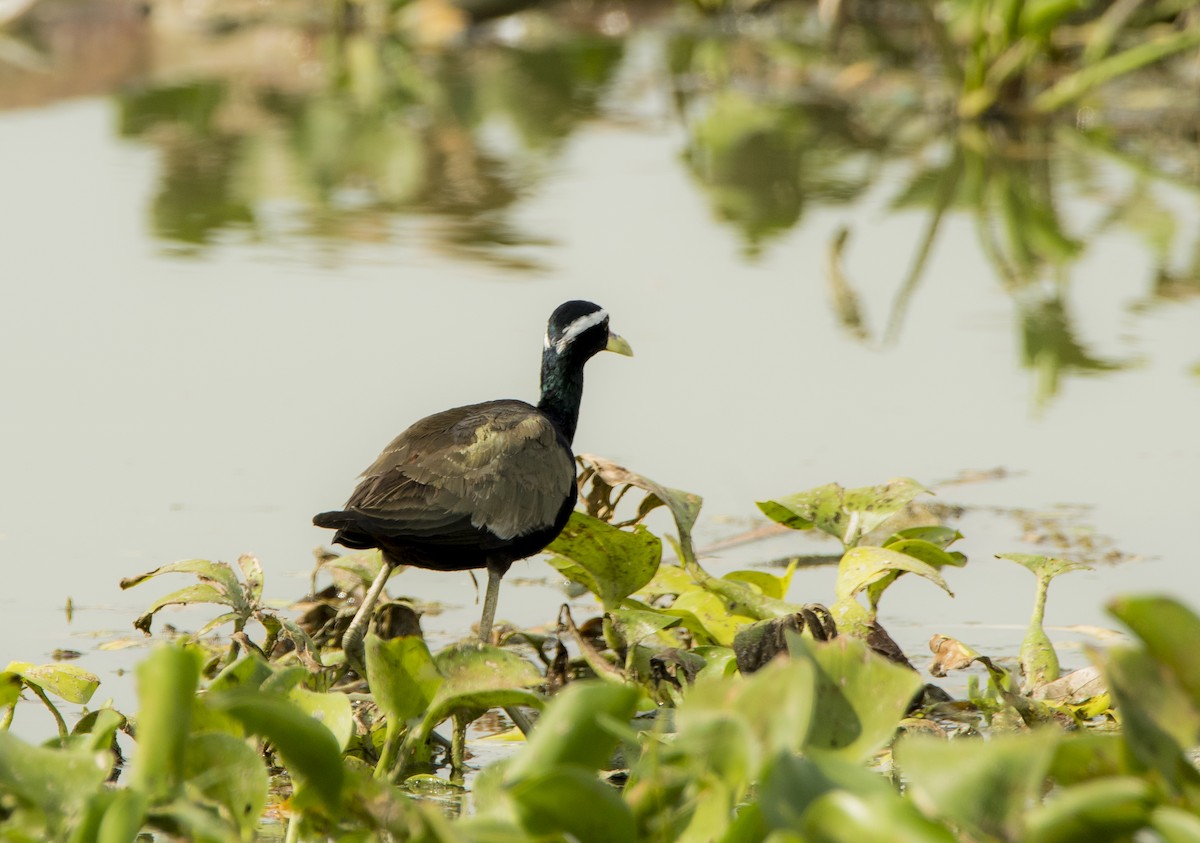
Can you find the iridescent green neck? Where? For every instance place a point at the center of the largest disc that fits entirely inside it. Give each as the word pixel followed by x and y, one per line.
pixel 562 390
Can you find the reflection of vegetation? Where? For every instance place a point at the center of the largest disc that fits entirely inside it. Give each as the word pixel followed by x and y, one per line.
pixel 386 132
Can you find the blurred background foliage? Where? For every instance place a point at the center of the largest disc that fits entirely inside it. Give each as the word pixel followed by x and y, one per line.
pixel 351 122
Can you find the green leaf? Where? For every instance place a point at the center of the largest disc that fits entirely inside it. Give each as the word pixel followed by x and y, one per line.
pixel 1101 811
pixel 332 709
pixel 711 613
pixel 231 773
pixel 571 801
pixel 480 676
pixel 198 593
pixel 790 783
pixel 123 817
pixel 308 747
pixel 634 625
pixel 219 574
pixel 860 696
pixel 863 567
pixel 1170 632
pixel 1044 566
pixel 609 562
pixel 1158 717
pixel 845 514
pixel 1175 825
pixel 935 534
pixel 48 786
pixel 684 506
pixel 166 682
pixel 840 816
pixel 403 676
pixel 67 681
pixel 252 572
pixel 984 788
pixel 767 584
pixel 572 730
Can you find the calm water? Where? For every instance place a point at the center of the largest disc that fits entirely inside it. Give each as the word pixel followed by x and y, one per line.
pixel 234 274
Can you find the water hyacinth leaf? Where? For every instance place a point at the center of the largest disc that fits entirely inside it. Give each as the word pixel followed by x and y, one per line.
pixel 634 625
pixel 928 552
pixel 123 816
pixel 711 613
pixel 331 709
pixel 1084 756
pixel 403 676
pixel 840 816
pixel 198 593
pixel 668 579
pixel 845 514
pixel 217 572
pixel 1100 811
pixel 791 782
pixel 1044 566
pixel 231 773
pixel 252 573
pixel 219 621
pixel 983 787
pixel 935 534
pixel 98 728
pixel 478 677
pixel 249 671
pixel 1175 825
pixel 780 703
pixel 761 581
pixel 50 786
pixel 860 696
pixel 572 801
pixel 864 567
pixel 308 747
pixel 609 562
pixel 684 506
pixel 67 681
pixel 10 688
pixel 1170 632
pixel 1158 717
pixel 572 731
pixel 166 683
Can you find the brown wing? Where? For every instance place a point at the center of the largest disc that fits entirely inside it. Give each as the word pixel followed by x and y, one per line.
pixel 499 466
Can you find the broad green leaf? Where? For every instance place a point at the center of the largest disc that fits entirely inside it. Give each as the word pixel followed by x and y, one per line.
pixel 166 683
pixel 96 729
pixel 668 579
pixel 308 747
pixel 609 562
pixel 1175 825
pixel 1048 566
pixel 123 817
pixel 983 787
pixel 840 816
pixel 1158 719
pixel 935 534
pixel 1084 755
pixel 67 681
pixel 860 696
pixel 572 730
pixel 791 782
pixel 352 571
pixel 10 688
pixel 331 709
pixel 845 514
pixel 220 574
pixel 249 671
pixel 572 802
pixel 928 552
pixel 51 786
pixel 1170 632
pixel 403 676
pixel 712 614
pixel 768 584
pixel 231 773
pixel 1100 811
pixel 780 704
pixel 634 625
pixel 862 567
pixel 480 676
pixel 198 593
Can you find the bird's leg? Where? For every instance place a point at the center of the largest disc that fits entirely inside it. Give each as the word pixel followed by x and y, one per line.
pixel 352 640
pixel 489 606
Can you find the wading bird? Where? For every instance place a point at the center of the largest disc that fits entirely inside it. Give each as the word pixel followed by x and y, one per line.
pixel 479 486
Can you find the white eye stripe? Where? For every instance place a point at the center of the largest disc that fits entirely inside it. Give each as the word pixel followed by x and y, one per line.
pixel 576 328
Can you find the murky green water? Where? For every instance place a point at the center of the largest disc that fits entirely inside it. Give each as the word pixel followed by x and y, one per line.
pixel 242 260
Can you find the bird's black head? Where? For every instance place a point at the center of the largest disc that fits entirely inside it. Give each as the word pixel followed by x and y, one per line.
pixel 579 329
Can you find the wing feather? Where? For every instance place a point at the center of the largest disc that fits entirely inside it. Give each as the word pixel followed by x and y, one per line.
pixel 499 467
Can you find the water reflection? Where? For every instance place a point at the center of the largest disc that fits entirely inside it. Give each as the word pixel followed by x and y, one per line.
pixel 338 137
pixel 458 137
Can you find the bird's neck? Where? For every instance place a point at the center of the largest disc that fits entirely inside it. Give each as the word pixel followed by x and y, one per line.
pixel 562 391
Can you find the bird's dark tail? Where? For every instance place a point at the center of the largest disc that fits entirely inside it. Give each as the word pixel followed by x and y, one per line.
pixel 348 535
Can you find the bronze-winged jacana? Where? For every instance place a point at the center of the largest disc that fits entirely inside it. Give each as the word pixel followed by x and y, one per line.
pixel 479 486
